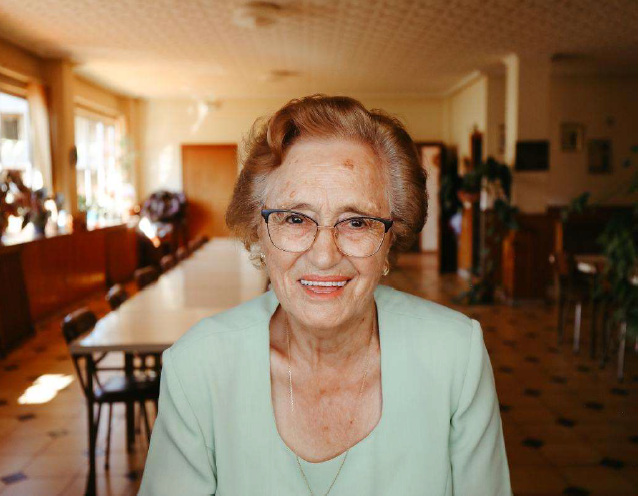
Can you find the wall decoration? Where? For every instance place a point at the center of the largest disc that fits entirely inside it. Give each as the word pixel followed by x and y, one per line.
pixel 531 156
pixel 599 156
pixel 572 137
pixel 501 146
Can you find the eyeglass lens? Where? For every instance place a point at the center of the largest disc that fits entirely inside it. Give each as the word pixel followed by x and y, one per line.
pixel 357 237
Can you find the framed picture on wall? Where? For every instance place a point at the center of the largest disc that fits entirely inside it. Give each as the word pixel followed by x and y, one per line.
pixel 572 136
pixel 599 156
pixel 531 155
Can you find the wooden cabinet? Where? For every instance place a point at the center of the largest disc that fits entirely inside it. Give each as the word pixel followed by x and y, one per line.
pixel 46 274
pixel 15 318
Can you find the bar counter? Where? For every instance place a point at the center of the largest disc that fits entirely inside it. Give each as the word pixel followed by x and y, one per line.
pixel 42 274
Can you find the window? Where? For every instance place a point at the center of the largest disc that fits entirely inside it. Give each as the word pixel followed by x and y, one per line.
pixel 103 178
pixel 15 148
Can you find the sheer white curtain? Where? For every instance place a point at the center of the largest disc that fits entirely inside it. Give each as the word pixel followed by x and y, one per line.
pixel 40 133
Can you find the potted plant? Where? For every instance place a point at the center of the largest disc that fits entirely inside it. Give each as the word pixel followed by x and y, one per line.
pixel 15 198
pixel 493 181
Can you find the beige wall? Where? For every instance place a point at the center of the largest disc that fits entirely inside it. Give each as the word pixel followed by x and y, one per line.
pixel 495 116
pixel 607 106
pixel 465 111
pixel 169 124
pixel 19 63
pixel 94 97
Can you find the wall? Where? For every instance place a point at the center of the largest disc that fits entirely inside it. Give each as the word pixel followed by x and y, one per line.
pixel 607 106
pixel 94 97
pixel 18 63
pixel 171 123
pixel 495 116
pixel 465 111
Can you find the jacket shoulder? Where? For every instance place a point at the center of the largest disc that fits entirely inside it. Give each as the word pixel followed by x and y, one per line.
pixel 415 308
pixel 228 323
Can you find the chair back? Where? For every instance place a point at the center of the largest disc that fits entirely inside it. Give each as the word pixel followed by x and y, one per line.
pixel 116 296
pixel 181 253
pixel 145 276
pixel 77 323
pixel 198 242
pixel 74 325
pixel 167 262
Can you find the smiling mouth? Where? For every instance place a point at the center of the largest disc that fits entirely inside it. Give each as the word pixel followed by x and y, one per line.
pixel 324 287
pixel 323 283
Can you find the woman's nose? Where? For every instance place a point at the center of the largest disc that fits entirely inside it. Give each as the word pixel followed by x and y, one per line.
pixel 324 252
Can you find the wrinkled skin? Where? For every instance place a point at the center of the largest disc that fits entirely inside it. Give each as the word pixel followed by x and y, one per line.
pixel 334 179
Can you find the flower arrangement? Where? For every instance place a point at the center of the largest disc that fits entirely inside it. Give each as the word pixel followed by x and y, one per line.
pixel 15 198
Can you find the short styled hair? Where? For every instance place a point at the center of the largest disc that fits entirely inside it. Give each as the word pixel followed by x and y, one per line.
pixel 326 117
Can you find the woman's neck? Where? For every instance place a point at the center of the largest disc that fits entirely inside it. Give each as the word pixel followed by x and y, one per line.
pixel 329 350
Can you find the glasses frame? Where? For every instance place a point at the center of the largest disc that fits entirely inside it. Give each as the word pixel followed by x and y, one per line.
pixel 266 213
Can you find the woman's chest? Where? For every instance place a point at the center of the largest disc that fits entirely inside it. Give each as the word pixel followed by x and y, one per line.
pixel 321 419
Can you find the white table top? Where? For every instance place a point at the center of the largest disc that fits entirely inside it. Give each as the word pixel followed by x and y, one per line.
pixel 216 277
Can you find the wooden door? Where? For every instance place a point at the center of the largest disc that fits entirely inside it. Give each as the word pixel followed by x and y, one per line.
pixel 208 176
pixel 431 161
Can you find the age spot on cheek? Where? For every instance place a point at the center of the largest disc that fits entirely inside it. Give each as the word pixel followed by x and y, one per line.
pixel 348 163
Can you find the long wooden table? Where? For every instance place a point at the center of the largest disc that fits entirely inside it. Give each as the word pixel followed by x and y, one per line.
pixel 216 277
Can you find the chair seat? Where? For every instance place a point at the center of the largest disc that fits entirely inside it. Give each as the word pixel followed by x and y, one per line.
pixel 121 388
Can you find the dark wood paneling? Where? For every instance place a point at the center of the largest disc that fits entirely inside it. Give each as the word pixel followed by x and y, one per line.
pixel 59 270
pixel 121 255
pixel 15 319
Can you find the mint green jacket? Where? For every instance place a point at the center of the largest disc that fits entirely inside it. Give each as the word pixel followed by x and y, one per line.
pixel 439 434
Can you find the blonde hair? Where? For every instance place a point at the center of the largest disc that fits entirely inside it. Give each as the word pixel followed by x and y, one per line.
pixel 321 116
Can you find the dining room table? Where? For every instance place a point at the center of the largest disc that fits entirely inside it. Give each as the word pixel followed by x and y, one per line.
pixel 214 278
pixel 593 265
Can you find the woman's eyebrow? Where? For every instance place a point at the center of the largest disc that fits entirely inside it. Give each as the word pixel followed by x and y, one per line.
pixel 346 208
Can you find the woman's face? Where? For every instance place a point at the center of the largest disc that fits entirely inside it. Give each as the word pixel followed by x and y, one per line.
pixel 329 181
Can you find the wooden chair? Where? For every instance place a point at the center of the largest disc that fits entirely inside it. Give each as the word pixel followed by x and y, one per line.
pixel 572 290
pixel 167 262
pixel 145 276
pixel 117 389
pixel 181 253
pixel 116 296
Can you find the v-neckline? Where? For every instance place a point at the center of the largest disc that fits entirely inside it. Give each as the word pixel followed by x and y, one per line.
pixel 383 347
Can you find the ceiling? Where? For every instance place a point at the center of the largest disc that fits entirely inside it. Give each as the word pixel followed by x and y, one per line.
pixel 192 48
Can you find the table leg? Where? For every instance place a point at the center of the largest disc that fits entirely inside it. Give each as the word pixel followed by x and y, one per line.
pixel 577 330
pixel 594 305
pixel 130 406
pixel 91 482
pixel 621 352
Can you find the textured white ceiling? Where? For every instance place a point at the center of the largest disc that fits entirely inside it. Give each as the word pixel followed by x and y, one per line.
pixel 181 48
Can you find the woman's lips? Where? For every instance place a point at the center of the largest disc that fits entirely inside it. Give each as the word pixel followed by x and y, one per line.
pixel 324 287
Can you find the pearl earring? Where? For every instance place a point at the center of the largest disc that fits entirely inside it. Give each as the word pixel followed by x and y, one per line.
pixel 386 268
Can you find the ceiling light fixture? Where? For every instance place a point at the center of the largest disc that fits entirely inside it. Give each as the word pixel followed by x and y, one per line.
pixel 253 15
pixel 278 75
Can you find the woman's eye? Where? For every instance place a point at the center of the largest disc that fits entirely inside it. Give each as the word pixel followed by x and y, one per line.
pixel 356 223
pixel 294 219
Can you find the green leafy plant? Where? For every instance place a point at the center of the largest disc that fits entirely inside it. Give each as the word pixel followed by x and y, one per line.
pixel 618 241
pixel 496 179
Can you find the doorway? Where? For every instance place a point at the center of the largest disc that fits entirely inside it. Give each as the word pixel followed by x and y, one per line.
pixel 209 173
pixel 431 156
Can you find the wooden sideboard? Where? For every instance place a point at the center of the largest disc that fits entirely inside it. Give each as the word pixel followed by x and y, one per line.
pixel 45 274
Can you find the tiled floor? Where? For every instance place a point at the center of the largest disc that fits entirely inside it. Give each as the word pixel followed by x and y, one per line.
pixel 570 428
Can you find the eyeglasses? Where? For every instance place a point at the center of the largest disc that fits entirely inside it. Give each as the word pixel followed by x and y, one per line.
pixel 355 237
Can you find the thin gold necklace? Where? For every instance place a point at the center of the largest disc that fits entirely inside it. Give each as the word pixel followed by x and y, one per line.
pixel 350 430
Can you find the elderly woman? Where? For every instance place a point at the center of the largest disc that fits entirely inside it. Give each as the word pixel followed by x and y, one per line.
pixel 330 382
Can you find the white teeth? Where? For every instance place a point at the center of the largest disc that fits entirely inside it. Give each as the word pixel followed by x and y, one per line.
pixel 320 283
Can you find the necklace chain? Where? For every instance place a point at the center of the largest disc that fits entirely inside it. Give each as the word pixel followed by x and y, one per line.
pixel 353 420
